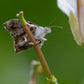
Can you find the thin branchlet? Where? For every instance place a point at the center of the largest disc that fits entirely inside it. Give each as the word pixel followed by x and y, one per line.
pixel 36 46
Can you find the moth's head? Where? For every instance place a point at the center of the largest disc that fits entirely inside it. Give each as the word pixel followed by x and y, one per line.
pixel 47 30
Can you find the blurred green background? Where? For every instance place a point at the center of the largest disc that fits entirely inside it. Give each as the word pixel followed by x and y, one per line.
pixel 65 58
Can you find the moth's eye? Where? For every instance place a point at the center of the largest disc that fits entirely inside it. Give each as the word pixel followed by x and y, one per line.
pixel 33 33
pixel 31 28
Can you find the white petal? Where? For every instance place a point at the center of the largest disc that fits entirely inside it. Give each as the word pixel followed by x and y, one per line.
pixel 75 29
pixel 67 6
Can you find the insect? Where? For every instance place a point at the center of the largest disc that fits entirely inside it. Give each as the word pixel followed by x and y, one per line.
pixel 21 40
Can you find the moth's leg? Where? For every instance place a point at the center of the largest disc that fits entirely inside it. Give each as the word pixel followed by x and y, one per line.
pixel 43 39
pixel 40 42
pixel 37 42
pixel 40 45
pixel 31 43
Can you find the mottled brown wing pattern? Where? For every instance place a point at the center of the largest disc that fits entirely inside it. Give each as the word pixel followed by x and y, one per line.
pixel 21 40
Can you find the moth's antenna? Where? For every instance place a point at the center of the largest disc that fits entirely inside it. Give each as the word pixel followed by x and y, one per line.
pixel 52 21
pixel 56 27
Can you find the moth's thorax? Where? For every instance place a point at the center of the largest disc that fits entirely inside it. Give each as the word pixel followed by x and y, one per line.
pixel 41 32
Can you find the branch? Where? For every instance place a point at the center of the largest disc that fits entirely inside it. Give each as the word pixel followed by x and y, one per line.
pixel 36 46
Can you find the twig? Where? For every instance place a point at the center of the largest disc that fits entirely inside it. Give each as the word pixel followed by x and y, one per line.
pixel 34 79
pixel 36 46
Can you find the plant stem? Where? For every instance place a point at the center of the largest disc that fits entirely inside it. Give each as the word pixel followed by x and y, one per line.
pixel 36 46
pixel 34 79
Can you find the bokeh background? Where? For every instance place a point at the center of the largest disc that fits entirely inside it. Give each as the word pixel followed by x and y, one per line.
pixel 65 58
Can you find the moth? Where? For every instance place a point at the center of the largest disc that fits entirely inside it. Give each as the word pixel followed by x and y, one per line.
pixel 21 40
pixel 74 9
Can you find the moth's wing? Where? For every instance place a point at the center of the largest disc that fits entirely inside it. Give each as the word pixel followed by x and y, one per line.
pixel 21 40
pixel 14 28
pixel 22 48
pixel 67 6
pixel 75 28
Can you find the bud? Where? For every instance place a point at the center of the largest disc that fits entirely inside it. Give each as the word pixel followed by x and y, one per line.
pixel 52 80
pixel 36 68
